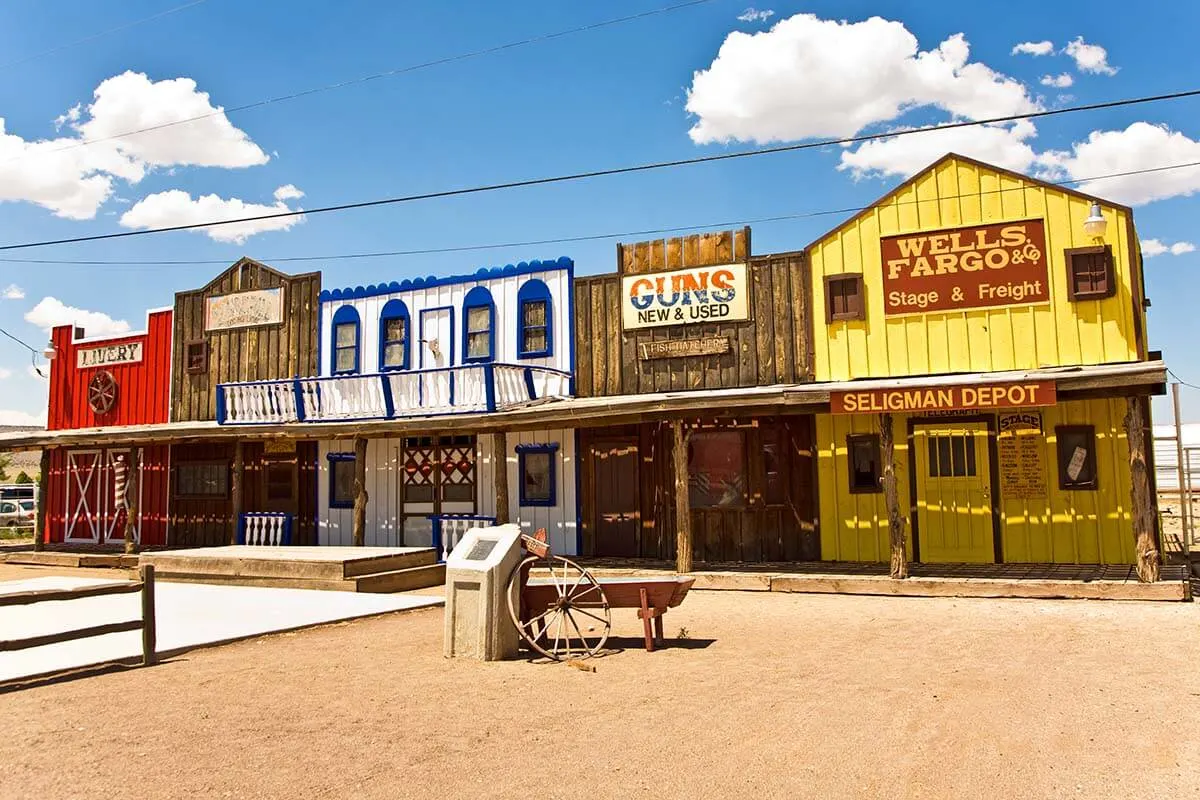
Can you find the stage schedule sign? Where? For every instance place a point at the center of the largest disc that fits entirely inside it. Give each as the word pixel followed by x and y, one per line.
pixel 130 353
pixel 944 398
pixel 685 297
pixel 1020 449
pixel 243 309
pixel 963 268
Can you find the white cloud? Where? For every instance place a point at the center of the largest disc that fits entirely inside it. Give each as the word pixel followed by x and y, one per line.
pixel 1089 57
pixel 176 207
pixel 809 77
pixel 288 192
pixel 5 373
pixel 13 292
pixel 1002 145
pixel 1153 247
pixel 51 312
pixel 752 14
pixel 22 419
pixel 1042 48
pixel 1061 81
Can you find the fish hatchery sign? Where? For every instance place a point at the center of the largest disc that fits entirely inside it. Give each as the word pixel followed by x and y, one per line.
pixel 685 297
pixel 129 353
pixel 243 309
pixel 944 398
pixel 978 267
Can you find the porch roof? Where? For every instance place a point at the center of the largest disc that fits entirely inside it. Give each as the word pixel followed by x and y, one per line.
pixel 1126 378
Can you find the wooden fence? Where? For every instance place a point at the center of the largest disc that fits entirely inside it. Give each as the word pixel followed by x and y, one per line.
pixel 145 624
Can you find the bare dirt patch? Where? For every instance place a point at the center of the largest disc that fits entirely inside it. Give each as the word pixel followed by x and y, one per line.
pixel 787 696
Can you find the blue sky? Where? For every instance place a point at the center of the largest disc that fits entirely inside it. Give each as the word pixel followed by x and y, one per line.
pixel 608 97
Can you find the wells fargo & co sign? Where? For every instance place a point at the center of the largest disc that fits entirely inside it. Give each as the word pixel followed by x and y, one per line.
pixel 979 267
pixel 944 398
pixel 685 297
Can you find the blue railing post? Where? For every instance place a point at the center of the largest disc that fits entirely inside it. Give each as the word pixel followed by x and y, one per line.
pixel 388 404
pixel 299 392
pixel 452 373
pixel 220 404
pixel 437 535
pixel 489 382
pixel 529 383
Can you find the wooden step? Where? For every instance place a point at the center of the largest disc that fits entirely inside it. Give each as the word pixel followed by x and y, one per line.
pixel 289 563
pixel 402 580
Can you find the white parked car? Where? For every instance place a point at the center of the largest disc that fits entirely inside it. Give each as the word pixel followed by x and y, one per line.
pixel 15 513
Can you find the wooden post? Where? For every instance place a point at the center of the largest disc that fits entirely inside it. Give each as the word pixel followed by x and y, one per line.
pixel 1146 547
pixel 1185 493
pixel 887 446
pixel 132 482
pixel 149 631
pixel 235 490
pixel 683 505
pixel 500 457
pixel 39 525
pixel 360 492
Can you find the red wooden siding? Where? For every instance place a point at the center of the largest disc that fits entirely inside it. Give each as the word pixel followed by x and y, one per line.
pixel 142 388
pixel 63 490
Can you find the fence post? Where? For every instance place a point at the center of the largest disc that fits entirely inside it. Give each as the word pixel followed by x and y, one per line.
pixel 149 631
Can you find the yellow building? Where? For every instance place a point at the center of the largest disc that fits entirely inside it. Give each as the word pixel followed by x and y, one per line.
pixel 993 326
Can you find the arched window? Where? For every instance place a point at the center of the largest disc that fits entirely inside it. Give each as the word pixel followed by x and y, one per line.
pixel 394 331
pixel 535 320
pixel 479 323
pixel 345 341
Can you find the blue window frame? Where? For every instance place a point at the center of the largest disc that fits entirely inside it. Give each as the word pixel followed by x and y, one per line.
pixel 341 480
pixel 535 320
pixel 479 326
pixel 345 341
pixel 537 467
pixel 394 333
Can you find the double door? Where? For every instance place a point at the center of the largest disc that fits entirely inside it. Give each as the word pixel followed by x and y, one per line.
pixel 438 475
pixel 93 514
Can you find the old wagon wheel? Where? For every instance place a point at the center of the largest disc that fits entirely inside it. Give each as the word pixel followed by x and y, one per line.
pixel 565 615
pixel 102 392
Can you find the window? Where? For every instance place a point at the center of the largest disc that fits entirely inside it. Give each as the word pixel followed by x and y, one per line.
pixel 1076 456
pixel 393 336
pixel 952 456
pixel 280 480
pixel 438 469
pixel 717 469
pixel 866 463
pixel 478 319
pixel 196 357
pixel 535 464
pixel 341 480
pixel 202 479
pixel 1090 273
pixel 345 341
pixel 774 438
pixel 535 335
pixel 844 298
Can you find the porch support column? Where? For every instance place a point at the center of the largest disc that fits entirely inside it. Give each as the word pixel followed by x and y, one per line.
pixel 887 447
pixel 1145 540
pixel 235 489
pixel 39 530
pixel 132 483
pixel 500 460
pixel 683 506
pixel 360 492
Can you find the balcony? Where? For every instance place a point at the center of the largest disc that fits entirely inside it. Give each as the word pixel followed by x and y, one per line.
pixel 466 389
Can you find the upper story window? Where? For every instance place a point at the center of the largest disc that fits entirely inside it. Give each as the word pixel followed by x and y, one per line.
pixel 479 322
pixel 1090 273
pixel 394 327
pixel 844 297
pixel 535 333
pixel 345 340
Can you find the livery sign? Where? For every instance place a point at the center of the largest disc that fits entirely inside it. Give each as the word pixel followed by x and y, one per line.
pixel 128 353
pixel 691 296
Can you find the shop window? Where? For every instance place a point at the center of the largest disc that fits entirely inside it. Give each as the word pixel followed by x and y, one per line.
pixel 341 480
pixel 202 479
pixel 774 438
pixel 196 357
pixel 536 467
pixel 717 469
pixel 1090 273
pixel 345 341
pixel 534 332
pixel 866 462
pixel 393 335
pixel 280 480
pixel 844 298
pixel 479 317
pixel 1076 456
pixel 952 456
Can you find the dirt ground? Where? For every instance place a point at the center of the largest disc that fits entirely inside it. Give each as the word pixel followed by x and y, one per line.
pixel 772 696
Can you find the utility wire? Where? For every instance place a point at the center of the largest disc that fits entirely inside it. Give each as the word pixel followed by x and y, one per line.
pixel 33 353
pixel 576 176
pixel 588 237
pixel 1181 381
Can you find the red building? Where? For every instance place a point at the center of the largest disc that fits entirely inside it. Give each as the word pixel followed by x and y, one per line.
pixel 108 382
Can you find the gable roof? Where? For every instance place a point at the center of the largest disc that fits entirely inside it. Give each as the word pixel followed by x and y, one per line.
pixel 242 262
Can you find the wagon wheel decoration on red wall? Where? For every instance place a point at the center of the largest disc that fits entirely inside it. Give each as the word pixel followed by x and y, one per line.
pixel 102 392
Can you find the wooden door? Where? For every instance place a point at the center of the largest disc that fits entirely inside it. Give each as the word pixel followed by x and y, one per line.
pixel 436 344
pixel 954 483
pixel 616 501
pixel 84 495
pixel 279 484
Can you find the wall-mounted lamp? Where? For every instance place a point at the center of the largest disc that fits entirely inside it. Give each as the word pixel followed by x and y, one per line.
pixel 1095 224
pixel 49 353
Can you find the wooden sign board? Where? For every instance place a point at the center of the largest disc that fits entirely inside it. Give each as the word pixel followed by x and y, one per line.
pixel 1020 448
pixel 943 398
pixel 977 267
pixel 129 353
pixel 280 446
pixel 699 295
pixel 243 309
pixel 681 348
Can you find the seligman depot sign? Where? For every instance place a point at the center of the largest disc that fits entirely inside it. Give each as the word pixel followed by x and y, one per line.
pixel 945 398
pixel 684 297
pixel 979 267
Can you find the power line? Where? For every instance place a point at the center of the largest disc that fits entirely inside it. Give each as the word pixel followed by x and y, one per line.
pixel 376 76
pixel 587 237
pixel 28 347
pixel 652 166
pixel 118 29
pixel 1181 381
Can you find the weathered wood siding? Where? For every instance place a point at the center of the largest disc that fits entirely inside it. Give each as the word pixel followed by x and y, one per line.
pixel 262 352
